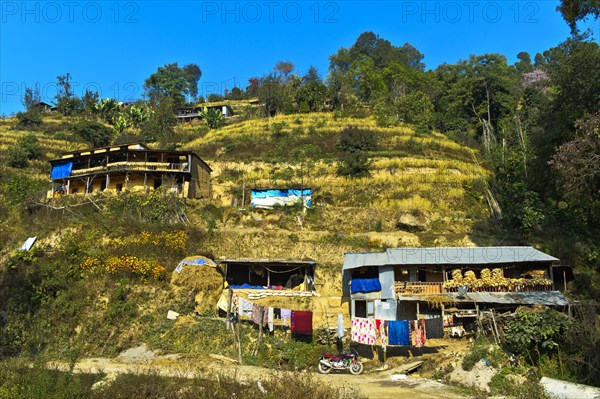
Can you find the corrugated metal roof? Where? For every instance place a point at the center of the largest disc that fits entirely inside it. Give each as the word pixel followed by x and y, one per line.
pixel 446 256
pixel 547 298
pixel 281 262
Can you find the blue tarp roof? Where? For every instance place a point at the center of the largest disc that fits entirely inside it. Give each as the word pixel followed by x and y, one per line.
pixel 195 261
pixel 256 193
pixel 61 170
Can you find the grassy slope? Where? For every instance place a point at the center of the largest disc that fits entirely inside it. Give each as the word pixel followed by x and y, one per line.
pixel 430 177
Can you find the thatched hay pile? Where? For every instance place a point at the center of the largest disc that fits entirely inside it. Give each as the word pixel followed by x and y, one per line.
pixel 205 282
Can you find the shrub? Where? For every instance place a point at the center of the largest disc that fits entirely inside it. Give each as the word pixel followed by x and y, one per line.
pixel 93 133
pixel 17 157
pixel 19 188
pixel 29 119
pixel 25 148
pixel 125 266
pixel 535 331
pixel 353 148
pixel 277 129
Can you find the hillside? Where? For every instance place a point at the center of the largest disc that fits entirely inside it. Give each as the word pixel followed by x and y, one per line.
pixel 101 278
pixel 429 178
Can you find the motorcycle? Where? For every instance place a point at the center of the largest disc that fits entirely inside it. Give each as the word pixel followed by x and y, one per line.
pixel 343 361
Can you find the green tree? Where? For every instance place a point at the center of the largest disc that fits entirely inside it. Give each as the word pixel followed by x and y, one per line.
pixel 353 152
pixel 214 98
pixel 66 102
pixel 572 91
pixel 93 133
pixel 312 93
pixel 31 98
pixel 16 157
pixel 369 83
pixel 476 94
pixel 235 94
pixel 381 51
pixel 577 163
pixel 271 94
pixel 161 124
pixel 524 64
pixel 171 81
pixel 574 11
pixel 90 103
pixel 416 108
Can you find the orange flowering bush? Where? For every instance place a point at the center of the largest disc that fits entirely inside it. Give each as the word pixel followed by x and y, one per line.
pixel 127 265
pixel 172 241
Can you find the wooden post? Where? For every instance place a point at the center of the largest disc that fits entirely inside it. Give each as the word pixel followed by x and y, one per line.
pixel 238 339
pixel 443 278
pixel 565 280
pixel 305 279
pixel 243 191
pixel 443 311
pixel 145 179
pixel 261 316
pixel 497 336
pixel 227 322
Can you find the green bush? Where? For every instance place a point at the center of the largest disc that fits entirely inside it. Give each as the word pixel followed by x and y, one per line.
pixel 93 133
pixel 353 151
pixel 29 119
pixel 535 331
pixel 483 349
pixel 26 147
pixel 512 382
pixel 17 157
pixel 19 188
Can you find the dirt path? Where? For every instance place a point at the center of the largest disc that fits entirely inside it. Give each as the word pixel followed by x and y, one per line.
pixel 381 385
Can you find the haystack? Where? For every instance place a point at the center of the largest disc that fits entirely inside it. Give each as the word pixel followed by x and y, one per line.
pixel 199 278
pixel 205 282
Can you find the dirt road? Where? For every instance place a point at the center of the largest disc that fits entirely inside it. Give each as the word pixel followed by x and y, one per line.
pixel 381 385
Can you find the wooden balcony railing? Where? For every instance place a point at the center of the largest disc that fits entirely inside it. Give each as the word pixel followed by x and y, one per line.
pixel 415 288
pixel 134 166
pixel 425 288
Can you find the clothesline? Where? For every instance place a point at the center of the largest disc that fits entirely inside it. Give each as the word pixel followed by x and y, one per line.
pixel 395 332
pixel 300 320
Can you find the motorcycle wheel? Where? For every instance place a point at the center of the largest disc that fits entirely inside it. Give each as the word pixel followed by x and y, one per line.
pixel 356 368
pixel 323 369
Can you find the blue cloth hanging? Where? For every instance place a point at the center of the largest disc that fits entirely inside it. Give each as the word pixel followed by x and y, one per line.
pixel 365 285
pixel 398 332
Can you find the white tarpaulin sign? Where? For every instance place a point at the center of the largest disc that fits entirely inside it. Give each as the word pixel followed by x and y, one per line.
pixel 270 198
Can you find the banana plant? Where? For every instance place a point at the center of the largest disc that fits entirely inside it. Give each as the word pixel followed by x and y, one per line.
pixel 213 117
pixel 108 108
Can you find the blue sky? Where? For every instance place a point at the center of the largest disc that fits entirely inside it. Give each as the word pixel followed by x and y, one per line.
pixel 111 46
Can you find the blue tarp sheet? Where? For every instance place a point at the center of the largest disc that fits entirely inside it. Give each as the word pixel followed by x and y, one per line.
pixel 247 286
pixel 365 285
pixel 270 198
pixel 62 170
pixel 194 261
pixel 398 332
